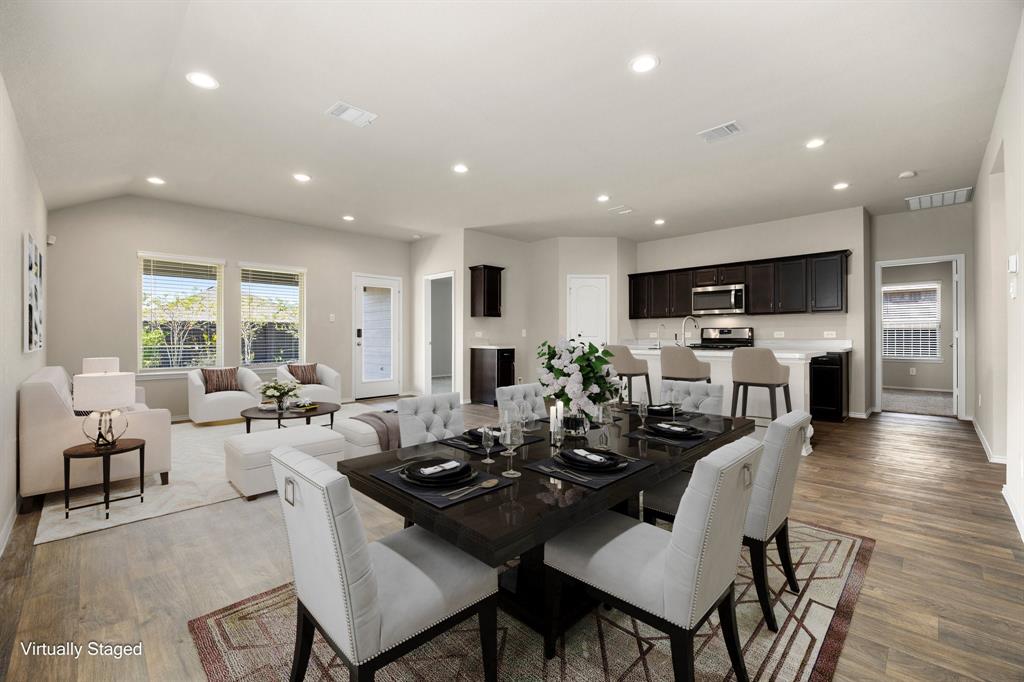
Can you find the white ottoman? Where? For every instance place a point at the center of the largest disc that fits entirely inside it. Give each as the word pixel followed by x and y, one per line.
pixel 247 456
pixel 360 437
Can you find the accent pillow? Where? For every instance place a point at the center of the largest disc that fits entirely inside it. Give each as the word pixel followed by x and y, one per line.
pixel 305 373
pixel 219 379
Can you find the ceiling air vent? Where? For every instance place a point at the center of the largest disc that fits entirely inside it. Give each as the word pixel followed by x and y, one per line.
pixel 720 132
pixel 354 115
pixel 621 209
pixel 947 198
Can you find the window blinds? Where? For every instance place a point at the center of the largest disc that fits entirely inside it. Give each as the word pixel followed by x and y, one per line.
pixel 911 321
pixel 271 329
pixel 179 309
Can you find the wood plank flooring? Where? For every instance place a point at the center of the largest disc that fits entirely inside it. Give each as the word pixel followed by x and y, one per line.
pixel 943 597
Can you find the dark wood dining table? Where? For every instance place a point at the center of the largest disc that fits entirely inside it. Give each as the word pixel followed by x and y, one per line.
pixel 514 522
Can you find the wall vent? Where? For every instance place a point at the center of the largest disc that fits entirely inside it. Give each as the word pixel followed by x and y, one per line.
pixel 720 132
pixel 354 115
pixel 947 198
pixel 621 209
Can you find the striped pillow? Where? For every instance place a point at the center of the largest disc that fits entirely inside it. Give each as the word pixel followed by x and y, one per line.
pixel 219 379
pixel 304 374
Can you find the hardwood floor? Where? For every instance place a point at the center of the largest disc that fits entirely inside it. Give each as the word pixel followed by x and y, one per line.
pixel 943 597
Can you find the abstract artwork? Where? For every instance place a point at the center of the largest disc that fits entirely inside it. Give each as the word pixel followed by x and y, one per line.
pixel 32 336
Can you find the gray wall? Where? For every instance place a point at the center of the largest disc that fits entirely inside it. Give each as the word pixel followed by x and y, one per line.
pixel 936 376
pixel 93 285
pixel 21 211
pixel 441 327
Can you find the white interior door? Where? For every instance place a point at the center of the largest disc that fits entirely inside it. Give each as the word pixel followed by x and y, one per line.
pixel 377 346
pixel 588 308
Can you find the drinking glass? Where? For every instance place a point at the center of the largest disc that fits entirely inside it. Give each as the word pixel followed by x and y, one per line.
pixel 557 435
pixel 641 411
pixel 488 442
pixel 602 439
pixel 511 438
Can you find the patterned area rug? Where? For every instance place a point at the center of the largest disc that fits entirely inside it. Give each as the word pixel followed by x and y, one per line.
pixel 253 639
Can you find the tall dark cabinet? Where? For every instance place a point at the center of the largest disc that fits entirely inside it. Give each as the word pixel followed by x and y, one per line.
pixel 828 282
pixel 761 288
pixel 489 369
pixel 680 285
pixel 485 291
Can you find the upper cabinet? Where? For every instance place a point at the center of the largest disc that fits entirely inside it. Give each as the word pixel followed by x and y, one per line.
pixel 485 291
pixel 797 284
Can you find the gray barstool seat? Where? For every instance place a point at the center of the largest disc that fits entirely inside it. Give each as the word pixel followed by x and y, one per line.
pixel 758 367
pixel 628 366
pixel 681 364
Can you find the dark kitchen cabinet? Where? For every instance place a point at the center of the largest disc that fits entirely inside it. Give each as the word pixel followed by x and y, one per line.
pixel 732 274
pixel 490 369
pixel 791 286
pixel 761 288
pixel 706 277
pixel 639 293
pixel 830 387
pixel 485 291
pixel 660 303
pixel 828 282
pixel 680 285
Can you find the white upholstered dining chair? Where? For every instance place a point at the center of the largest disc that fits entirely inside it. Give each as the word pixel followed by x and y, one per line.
pixel 524 398
pixel 671 580
pixel 768 516
pixel 693 396
pixel 429 418
pixel 373 602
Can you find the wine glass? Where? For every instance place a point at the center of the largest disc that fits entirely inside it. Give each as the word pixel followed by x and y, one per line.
pixel 641 411
pixel 602 438
pixel 511 438
pixel 487 441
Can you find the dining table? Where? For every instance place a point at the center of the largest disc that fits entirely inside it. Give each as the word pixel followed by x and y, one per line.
pixel 508 526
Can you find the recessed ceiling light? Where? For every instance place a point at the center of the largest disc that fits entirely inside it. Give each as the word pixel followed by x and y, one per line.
pixel 603 198
pixel 841 185
pixel 659 221
pixel 906 175
pixel 154 180
pixel 815 143
pixel 460 168
pixel 348 218
pixel 301 177
pixel 202 80
pixel 644 63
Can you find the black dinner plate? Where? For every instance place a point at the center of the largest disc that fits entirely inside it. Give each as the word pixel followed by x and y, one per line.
pixel 477 434
pixel 612 460
pixel 680 430
pixel 415 470
pixel 469 476
pixel 576 466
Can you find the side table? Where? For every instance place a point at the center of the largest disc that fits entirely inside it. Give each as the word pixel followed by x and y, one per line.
pixel 90 450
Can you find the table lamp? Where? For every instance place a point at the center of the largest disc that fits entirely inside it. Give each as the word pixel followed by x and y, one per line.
pixel 96 365
pixel 103 394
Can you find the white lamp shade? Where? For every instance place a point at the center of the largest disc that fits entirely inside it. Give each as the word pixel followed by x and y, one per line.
pixel 106 391
pixel 97 365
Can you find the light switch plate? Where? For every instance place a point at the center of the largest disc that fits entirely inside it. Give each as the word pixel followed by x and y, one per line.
pixel 830 335
pixel 913 371
pixel 331 318
pixel 524 333
pixel 478 335
pixel 1012 263
pixel 779 335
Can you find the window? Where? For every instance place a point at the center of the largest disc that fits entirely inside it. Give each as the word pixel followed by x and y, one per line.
pixel 272 303
pixel 179 312
pixel 911 321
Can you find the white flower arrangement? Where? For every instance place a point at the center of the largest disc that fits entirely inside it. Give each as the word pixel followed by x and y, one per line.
pixel 279 391
pixel 577 374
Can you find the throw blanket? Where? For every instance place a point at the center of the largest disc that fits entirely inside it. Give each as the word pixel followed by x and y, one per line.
pixel 386 425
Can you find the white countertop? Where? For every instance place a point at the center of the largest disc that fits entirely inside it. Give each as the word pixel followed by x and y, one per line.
pixel 797 350
pixel 494 347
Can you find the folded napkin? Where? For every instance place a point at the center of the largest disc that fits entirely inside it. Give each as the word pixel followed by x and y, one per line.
pixel 589 455
pixel 447 466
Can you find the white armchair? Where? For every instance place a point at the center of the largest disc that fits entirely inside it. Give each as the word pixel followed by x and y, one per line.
pixel 48 425
pixel 206 407
pixel 328 388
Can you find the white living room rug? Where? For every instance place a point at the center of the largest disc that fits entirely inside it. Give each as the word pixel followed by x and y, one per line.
pixel 197 479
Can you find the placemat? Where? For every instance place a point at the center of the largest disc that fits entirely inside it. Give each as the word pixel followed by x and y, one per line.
pixel 479 449
pixel 433 496
pixel 665 440
pixel 597 480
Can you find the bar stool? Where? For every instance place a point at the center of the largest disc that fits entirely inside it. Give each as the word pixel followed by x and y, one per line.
pixel 681 364
pixel 627 366
pixel 758 367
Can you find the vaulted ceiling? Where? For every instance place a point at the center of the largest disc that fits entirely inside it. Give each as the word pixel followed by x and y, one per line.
pixel 536 98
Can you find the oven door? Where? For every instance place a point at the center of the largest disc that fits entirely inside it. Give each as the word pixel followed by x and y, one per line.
pixel 718 300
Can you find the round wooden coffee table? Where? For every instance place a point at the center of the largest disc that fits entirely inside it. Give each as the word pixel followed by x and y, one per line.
pixel 320 410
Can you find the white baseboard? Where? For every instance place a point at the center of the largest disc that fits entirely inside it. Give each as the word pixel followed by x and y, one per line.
pixel 7 527
pixel 1016 512
pixel 860 415
pixel 989 455
pixel 915 388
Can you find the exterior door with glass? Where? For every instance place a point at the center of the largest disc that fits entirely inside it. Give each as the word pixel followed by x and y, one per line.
pixel 377 346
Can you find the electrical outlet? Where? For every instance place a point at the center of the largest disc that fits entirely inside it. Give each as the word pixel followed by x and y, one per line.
pixel 779 335
pixel 913 371
pixel 478 335
pixel 524 333
pixel 652 335
pixel 830 334
pixel 331 318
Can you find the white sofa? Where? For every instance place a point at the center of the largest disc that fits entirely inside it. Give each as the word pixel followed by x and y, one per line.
pixel 48 425
pixel 206 407
pixel 247 455
pixel 328 390
pixel 360 438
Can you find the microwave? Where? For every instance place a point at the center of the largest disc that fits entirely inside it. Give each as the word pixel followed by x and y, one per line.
pixel 725 299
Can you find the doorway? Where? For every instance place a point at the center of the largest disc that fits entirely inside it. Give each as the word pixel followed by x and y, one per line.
pixel 439 327
pixel 377 346
pixel 587 308
pixel 919 336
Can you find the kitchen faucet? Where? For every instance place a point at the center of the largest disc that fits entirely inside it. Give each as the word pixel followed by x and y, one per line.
pixel 661 325
pixel 696 326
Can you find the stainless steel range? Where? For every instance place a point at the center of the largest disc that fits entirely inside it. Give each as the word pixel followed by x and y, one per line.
pixel 725 338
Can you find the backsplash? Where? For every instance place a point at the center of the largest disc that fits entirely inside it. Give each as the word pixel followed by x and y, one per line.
pixel 803 327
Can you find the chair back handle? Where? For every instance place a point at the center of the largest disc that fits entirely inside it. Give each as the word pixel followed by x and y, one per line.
pixel 289 490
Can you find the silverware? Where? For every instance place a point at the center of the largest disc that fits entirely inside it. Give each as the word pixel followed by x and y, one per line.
pixel 489 483
pixel 400 466
pixel 565 472
pixel 457 490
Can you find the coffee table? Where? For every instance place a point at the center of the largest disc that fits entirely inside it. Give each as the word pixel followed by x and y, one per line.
pixel 320 410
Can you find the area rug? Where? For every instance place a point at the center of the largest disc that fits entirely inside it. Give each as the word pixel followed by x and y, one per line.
pixel 253 639
pixel 197 479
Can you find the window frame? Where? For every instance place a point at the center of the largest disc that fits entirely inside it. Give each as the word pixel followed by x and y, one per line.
pixel 282 269
pixel 925 284
pixel 219 264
